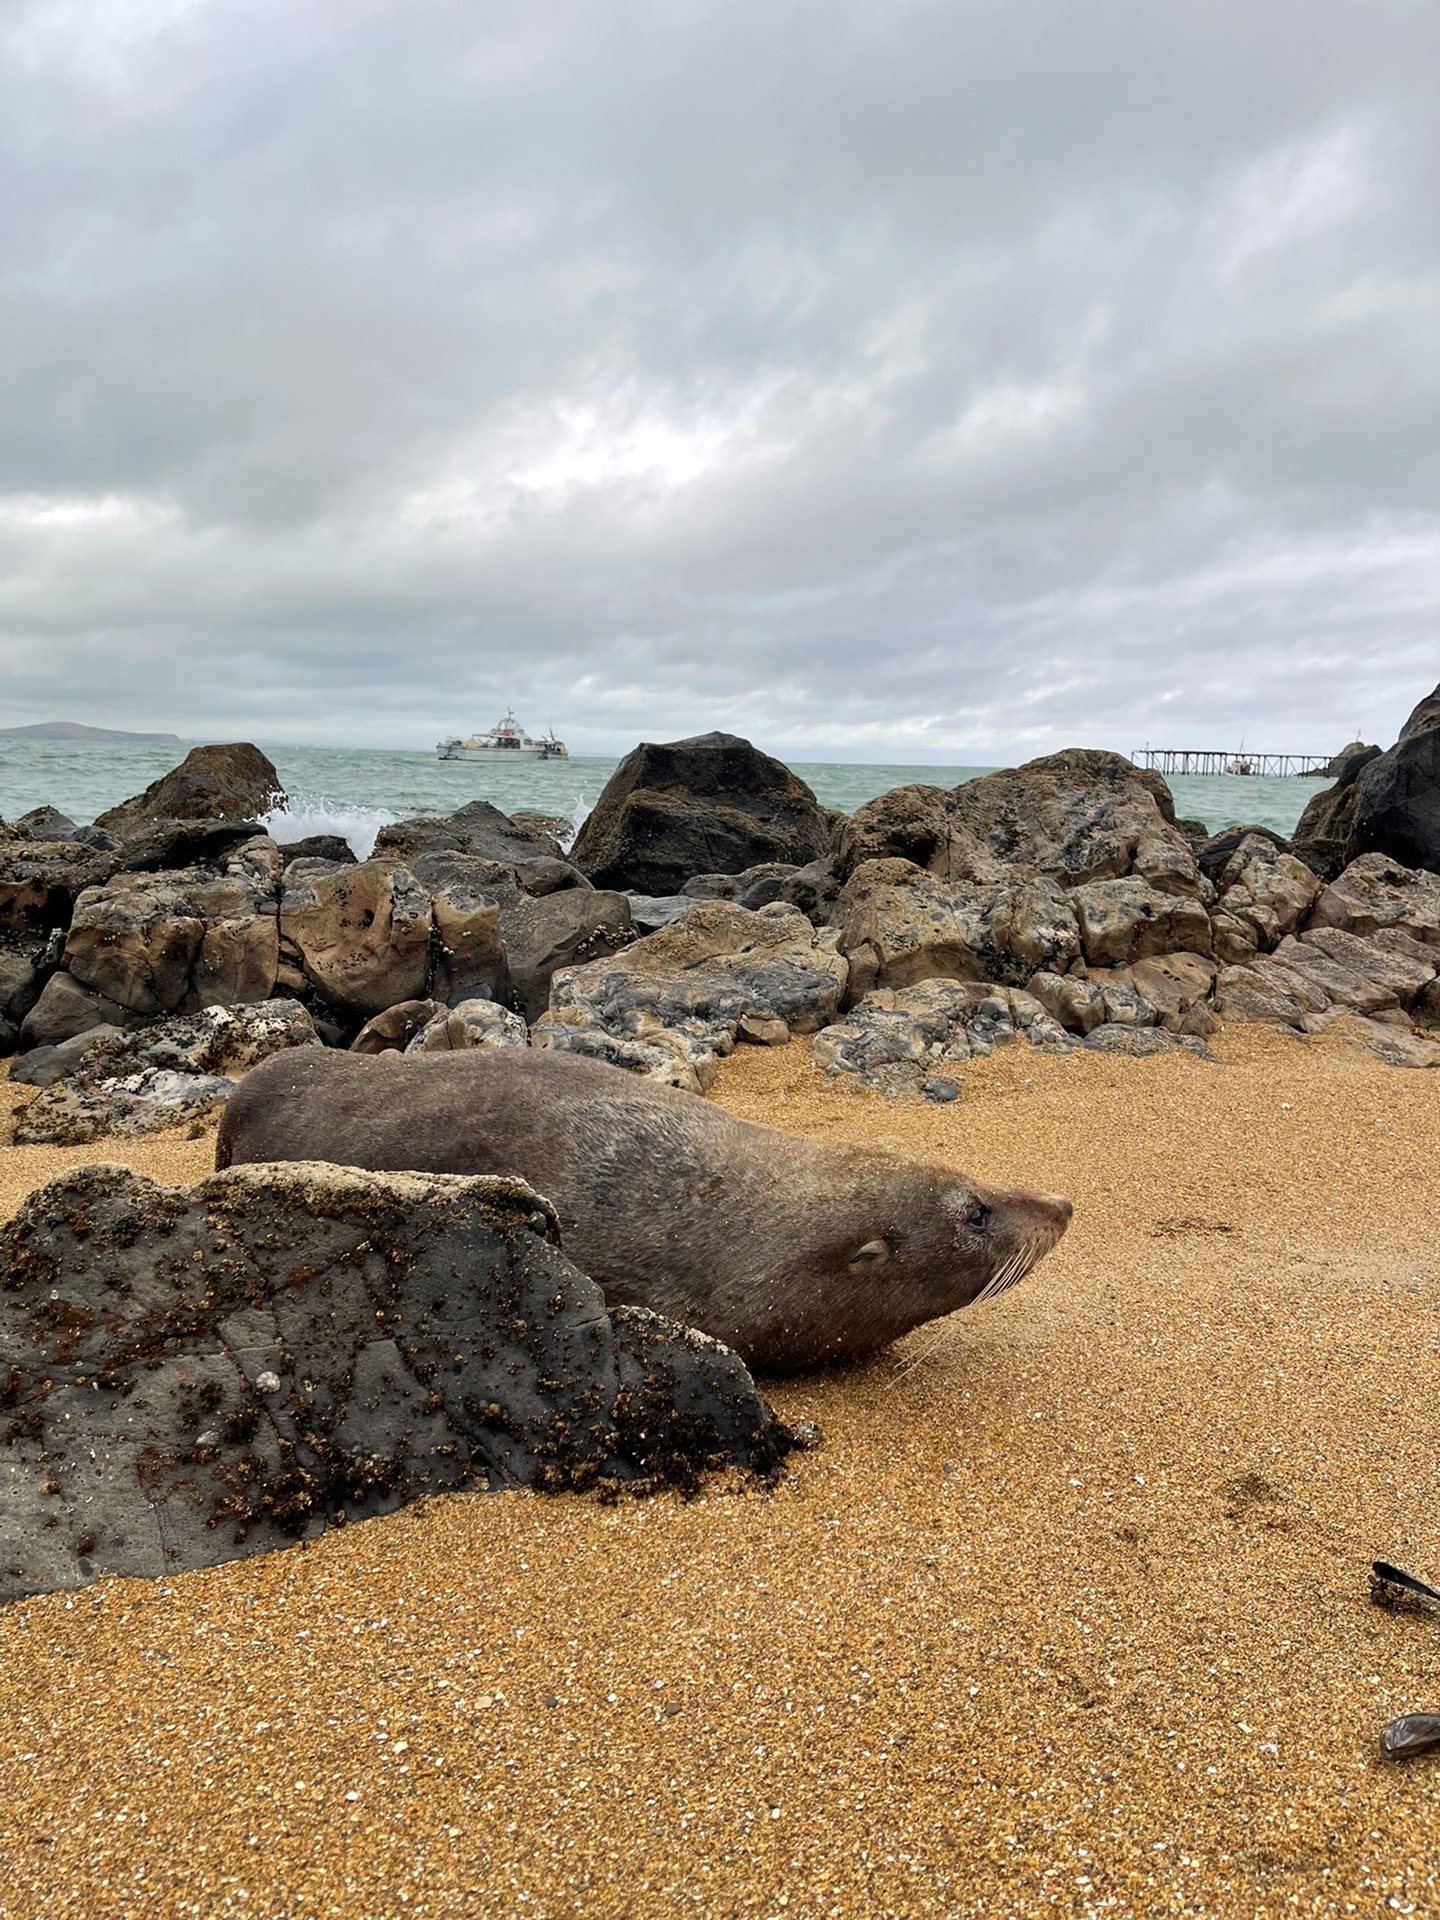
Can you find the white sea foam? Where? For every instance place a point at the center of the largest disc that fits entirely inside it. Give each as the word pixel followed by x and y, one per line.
pixel 579 814
pixel 359 826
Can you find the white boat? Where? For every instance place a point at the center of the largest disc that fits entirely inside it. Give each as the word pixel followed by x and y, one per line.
pixel 508 740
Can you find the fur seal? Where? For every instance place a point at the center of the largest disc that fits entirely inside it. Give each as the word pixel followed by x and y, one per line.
pixel 791 1251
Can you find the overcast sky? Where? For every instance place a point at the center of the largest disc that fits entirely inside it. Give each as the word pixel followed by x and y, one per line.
pixel 893 380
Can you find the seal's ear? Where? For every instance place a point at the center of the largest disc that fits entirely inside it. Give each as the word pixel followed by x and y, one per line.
pixel 874 1253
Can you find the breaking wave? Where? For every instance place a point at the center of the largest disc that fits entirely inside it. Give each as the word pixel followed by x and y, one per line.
pixel 358 826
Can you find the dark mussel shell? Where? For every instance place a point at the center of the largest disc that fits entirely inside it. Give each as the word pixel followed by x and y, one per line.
pixel 1393 1587
pixel 1411 1733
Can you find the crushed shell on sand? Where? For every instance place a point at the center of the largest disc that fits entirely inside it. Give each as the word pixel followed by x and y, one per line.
pixel 1068 1615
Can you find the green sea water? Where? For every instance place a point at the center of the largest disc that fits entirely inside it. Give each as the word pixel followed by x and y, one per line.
pixel 355 791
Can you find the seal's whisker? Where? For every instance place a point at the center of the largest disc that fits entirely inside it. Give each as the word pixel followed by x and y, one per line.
pixel 1013 1271
pixel 943 1332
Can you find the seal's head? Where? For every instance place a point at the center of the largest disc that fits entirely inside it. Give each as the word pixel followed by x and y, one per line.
pixel 934 1242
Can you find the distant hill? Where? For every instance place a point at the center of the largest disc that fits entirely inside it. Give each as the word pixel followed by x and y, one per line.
pixel 72 730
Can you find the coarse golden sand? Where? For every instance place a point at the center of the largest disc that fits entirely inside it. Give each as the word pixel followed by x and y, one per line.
pixel 1068 1615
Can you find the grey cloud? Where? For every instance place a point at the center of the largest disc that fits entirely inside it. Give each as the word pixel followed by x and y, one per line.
pixel 879 379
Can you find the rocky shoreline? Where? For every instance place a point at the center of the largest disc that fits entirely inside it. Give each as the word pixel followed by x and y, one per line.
pixel 709 901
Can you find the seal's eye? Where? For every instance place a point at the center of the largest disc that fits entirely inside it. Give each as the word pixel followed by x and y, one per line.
pixel 977 1216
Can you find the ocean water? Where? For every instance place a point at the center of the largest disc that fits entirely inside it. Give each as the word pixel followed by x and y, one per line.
pixel 355 791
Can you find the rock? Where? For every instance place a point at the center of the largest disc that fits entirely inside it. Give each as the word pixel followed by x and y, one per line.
pixel 474 1023
pixel 1382 803
pixel 683 1060
pixel 394 1029
pixel 1397 1046
pixel 20 985
pixel 756 887
pixel 362 934
pixel 1267 890
pixel 680 994
pixel 559 930
pixel 153 943
pixel 544 826
pixel 467 895
pixel 1348 762
pixel 477 829
pixel 65 1009
pixel 899 925
pixel 41 881
pixel 1121 1002
pixel 1071 999
pixel 424 1333
pixel 1178 986
pixel 1296 985
pixel 650 912
pixel 712 804
pixel 1403 965
pixel 42 1066
pixel 1126 920
pixel 161 1075
pixel 542 876
pixel 712 969
pixel 763 1030
pixel 1137 1043
pixel 1217 849
pixel 320 846
pixel 45 823
pixel 164 845
pixel 1168 990
pixel 234 782
pixel 1341 985
pixel 895 1039
pixel 1074 817
pixel 1375 892
pixel 1233 942
pixel 71 1112
pixel 815 890
pixel 1241 994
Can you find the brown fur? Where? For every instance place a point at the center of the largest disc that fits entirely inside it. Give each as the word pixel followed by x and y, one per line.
pixel 791 1251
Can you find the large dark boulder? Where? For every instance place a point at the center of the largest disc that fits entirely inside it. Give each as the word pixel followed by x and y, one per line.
pixel 232 782
pixel 714 805
pixel 188 1377
pixel 1075 817
pixel 1345 764
pixel 1387 803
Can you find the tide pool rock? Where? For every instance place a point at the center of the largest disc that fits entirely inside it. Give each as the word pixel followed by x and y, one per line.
pixel 897 1040
pixel 161 1075
pixel 668 1004
pixel 474 1023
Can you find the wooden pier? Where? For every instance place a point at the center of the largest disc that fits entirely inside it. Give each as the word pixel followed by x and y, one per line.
pixel 1302 766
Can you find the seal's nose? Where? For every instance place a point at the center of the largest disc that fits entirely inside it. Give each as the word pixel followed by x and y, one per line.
pixel 1059 1209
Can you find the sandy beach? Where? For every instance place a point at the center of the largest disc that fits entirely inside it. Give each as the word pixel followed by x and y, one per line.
pixel 1067 1615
